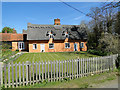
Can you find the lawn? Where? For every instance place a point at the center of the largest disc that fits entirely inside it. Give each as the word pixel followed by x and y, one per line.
pixel 36 57
pixel 51 56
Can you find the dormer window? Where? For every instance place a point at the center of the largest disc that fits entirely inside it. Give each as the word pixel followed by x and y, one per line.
pixel 66 35
pixel 51 35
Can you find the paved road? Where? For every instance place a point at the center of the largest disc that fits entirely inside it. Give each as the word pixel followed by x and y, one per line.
pixel 109 84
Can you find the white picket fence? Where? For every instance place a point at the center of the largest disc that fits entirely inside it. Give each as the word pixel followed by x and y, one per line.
pixel 21 74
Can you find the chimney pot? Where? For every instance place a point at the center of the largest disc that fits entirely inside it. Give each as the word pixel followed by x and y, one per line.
pixel 57 21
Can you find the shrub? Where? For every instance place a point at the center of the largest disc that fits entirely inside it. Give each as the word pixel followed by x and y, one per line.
pixel 97 52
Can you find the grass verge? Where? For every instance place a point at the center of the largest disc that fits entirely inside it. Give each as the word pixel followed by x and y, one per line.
pixel 85 82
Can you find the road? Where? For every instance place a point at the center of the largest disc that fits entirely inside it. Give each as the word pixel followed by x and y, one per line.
pixel 108 84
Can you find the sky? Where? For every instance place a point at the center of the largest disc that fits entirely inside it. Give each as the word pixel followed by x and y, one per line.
pixel 18 14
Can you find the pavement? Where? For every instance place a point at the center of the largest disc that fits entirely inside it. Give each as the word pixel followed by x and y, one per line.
pixel 109 84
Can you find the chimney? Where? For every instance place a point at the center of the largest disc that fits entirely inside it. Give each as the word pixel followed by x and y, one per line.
pixel 5 31
pixel 14 31
pixel 57 21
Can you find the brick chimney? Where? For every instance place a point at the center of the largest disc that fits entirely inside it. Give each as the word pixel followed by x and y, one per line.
pixel 5 31
pixel 14 31
pixel 57 21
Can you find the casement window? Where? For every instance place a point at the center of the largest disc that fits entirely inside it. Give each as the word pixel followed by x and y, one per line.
pixel 67 45
pixel 50 35
pixel 34 46
pixel 51 45
pixel 21 45
pixel 81 45
pixel 66 35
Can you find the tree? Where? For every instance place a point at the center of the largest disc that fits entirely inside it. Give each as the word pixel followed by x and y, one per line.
pixel 109 43
pixel 117 24
pixel 9 30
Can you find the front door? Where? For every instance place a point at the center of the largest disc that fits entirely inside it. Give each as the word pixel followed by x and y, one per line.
pixel 75 46
pixel 42 46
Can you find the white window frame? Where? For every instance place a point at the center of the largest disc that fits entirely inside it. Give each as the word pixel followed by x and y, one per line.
pixel 34 46
pixel 22 45
pixel 50 35
pixel 52 47
pixel 66 35
pixel 68 46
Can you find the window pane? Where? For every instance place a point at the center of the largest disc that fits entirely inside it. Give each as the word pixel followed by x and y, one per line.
pixel 81 45
pixel 20 45
pixel 34 46
pixel 51 45
pixel 68 45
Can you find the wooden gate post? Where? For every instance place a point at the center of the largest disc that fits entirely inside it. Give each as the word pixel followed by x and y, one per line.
pixel 1 73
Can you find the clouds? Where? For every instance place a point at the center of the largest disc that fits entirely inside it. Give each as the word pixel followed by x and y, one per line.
pixel 78 18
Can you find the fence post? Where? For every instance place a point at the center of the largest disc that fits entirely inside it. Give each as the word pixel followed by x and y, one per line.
pixel 27 72
pixel 8 74
pixel 39 72
pixel 62 69
pixel 48 71
pixel 51 70
pixel 5 78
pixel 1 73
pixel 54 70
pixel 70 69
pixel 59 71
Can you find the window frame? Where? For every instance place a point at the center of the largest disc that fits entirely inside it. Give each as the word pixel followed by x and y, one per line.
pixel 34 46
pixel 81 45
pixel 52 47
pixel 68 44
pixel 21 45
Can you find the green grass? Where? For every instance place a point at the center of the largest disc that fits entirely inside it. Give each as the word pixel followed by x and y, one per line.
pixel 6 54
pixel 52 56
pixel 84 82
pixel 36 57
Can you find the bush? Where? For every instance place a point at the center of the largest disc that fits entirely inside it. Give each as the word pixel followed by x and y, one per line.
pixel 17 49
pixel 97 52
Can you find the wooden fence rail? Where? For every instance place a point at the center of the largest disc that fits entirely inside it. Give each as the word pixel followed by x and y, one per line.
pixel 21 74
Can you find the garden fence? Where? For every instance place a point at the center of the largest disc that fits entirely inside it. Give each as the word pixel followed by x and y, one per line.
pixel 21 74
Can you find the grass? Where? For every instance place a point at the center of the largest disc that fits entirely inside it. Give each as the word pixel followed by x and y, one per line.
pixel 36 57
pixel 6 54
pixel 52 56
pixel 85 82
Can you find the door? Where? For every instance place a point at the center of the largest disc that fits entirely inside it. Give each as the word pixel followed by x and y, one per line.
pixel 75 46
pixel 42 46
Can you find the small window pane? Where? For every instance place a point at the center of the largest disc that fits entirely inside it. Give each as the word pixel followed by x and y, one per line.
pixel 51 45
pixel 67 45
pixel 34 46
pixel 81 45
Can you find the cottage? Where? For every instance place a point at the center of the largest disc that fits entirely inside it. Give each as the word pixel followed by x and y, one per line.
pixel 52 38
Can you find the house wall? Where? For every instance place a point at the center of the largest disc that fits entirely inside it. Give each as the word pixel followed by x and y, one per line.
pixel 59 46
pixel 14 46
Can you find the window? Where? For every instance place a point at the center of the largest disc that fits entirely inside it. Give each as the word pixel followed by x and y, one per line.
pixel 21 45
pixel 51 35
pixel 81 45
pixel 34 46
pixel 51 46
pixel 66 35
pixel 67 45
